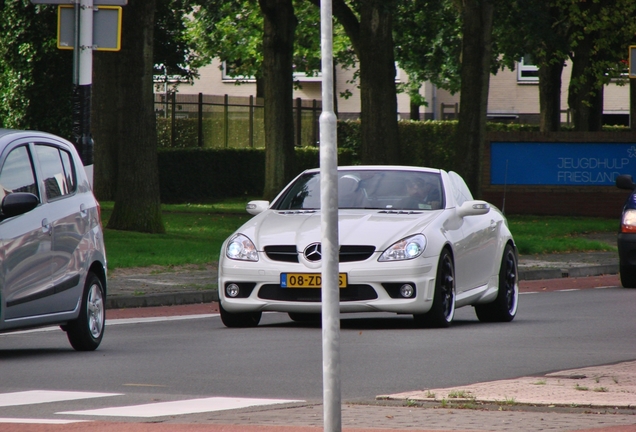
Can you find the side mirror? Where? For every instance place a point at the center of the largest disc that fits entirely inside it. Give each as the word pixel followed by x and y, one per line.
pixel 625 181
pixel 18 203
pixel 473 208
pixel 256 207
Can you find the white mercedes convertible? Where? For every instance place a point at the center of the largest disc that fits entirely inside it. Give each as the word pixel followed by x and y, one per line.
pixel 412 241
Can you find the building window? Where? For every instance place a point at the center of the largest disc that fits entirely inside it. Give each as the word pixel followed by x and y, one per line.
pixel 229 76
pixel 527 71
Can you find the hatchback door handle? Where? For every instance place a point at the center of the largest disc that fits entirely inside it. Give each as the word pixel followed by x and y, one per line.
pixel 46 226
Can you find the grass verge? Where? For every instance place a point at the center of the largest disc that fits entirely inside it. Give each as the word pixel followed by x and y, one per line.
pixel 195 232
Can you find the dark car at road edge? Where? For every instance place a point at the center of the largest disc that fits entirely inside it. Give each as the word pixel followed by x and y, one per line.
pixel 627 233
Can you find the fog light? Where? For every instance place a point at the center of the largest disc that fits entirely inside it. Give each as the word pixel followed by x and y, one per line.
pixel 407 290
pixel 232 290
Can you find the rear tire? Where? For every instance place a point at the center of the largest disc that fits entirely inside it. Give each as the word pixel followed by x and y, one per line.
pixel 443 309
pixel 86 332
pixel 239 320
pixel 628 276
pixel 504 308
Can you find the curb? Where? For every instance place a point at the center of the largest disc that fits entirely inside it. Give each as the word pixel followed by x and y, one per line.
pixel 169 299
pixel 555 273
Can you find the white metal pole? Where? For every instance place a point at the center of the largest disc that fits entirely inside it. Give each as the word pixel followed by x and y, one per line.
pixel 86 42
pixel 329 224
pixel 85 83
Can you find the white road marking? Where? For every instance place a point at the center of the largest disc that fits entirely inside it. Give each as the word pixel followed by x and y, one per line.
pixel 40 421
pixel 191 406
pixel 119 321
pixel 46 396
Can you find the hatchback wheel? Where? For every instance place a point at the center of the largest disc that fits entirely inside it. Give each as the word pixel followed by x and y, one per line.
pixel 86 332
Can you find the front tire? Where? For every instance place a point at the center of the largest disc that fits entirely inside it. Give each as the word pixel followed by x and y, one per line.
pixel 443 309
pixel 239 320
pixel 315 318
pixel 86 332
pixel 504 308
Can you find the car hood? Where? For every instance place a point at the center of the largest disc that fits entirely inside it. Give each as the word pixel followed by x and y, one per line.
pixel 355 227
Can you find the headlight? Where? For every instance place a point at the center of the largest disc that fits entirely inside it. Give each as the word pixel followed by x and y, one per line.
pixel 628 224
pixel 405 249
pixel 241 248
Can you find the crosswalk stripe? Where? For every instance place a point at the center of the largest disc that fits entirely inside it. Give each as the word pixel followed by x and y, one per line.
pixel 46 396
pixel 40 421
pixel 191 406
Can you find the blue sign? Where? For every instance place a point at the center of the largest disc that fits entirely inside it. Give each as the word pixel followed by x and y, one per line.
pixel 560 164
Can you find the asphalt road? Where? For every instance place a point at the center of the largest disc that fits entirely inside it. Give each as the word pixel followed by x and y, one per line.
pixel 380 354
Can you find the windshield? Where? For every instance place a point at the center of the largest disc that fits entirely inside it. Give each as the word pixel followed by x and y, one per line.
pixel 372 189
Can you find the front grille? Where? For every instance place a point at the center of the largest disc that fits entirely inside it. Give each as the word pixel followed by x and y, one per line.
pixel 282 253
pixel 348 253
pixel 355 253
pixel 350 293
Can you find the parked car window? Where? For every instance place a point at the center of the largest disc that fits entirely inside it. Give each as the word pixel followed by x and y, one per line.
pixel 56 177
pixel 17 173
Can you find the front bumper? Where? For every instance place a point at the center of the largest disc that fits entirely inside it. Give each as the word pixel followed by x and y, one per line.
pixel 372 286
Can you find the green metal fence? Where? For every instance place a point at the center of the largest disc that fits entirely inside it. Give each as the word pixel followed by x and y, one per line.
pixel 198 120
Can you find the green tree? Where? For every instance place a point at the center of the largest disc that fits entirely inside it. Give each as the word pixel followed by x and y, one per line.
pixel 602 32
pixel 539 31
pixel 428 42
pixel 268 40
pixel 369 25
pixel 477 22
pixel 124 108
pixel 35 77
pixel 172 48
pixel 278 49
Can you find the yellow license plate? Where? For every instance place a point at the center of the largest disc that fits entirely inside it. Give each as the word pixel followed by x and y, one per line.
pixel 307 280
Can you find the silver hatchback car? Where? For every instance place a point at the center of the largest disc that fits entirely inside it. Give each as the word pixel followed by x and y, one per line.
pixel 52 255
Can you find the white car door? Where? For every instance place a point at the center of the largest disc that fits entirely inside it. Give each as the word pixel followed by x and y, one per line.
pixel 475 251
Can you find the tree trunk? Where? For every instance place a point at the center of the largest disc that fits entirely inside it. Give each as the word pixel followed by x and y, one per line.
pixel 579 91
pixel 105 121
pixel 278 48
pixel 415 111
pixel 378 100
pixel 475 75
pixel 596 109
pixel 372 41
pixel 137 198
pixel 550 97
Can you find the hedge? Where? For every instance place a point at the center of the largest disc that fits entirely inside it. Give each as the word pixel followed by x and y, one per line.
pixel 199 175
pixel 189 173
